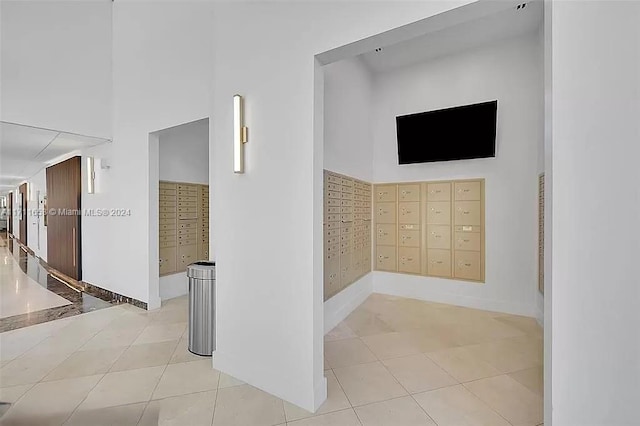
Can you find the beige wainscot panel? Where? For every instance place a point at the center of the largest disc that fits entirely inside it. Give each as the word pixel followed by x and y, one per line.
pixel 167 260
pixel 187 254
pixel 439 237
pixel 409 260
pixel 385 212
pixel 386 258
pixel 439 263
pixel 409 212
pixel 470 241
pixel 409 192
pixel 386 234
pixel 467 265
pixel 467 191
pixel 467 213
pixel 439 212
pixel 385 193
pixel 409 235
pixel 439 191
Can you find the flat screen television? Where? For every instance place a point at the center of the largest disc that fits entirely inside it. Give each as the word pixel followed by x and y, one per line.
pixel 458 133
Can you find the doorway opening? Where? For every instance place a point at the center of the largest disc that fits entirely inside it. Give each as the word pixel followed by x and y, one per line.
pixel 179 205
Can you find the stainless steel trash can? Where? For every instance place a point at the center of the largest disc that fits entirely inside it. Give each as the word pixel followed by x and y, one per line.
pixel 202 298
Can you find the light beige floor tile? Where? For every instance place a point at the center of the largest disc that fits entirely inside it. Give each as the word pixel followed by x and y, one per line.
pixel 510 399
pixel 417 373
pixel 366 383
pixel 187 377
pixel 121 415
pixel 336 400
pixel 94 320
pixel 195 409
pixel 17 342
pixel 456 406
pixel 531 346
pixel 341 331
pixel 491 329
pixel 341 353
pixel 365 323
pixel 123 387
pixel 62 343
pixel 532 379
pixel 431 339
pixel 462 364
pixel 161 333
pixel 86 363
pixel 130 321
pixel 113 337
pixel 25 370
pixel 227 381
pixel 525 324
pixel 182 354
pixel 245 405
pixel 169 316
pixel 391 345
pixel 12 393
pixel 338 418
pixel 50 403
pixel 400 411
pixel 504 355
pixel 180 302
pixel 408 317
pixel 146 355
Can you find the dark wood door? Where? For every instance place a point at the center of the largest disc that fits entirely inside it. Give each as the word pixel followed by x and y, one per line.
pixel 23 213
pixel 10 215
pixel 64 189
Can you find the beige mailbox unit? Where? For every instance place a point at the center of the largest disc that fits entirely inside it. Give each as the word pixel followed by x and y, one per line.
pixel 431 228
pixel 184 225
pixel 423 228
pixel 347 231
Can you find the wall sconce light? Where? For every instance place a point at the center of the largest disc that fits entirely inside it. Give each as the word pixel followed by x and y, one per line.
pixel 91 175
pixel 239 134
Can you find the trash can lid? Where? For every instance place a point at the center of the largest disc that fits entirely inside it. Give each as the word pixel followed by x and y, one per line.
pixel 202 270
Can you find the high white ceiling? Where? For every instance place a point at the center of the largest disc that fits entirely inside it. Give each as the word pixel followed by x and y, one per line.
pixel 510 23
pixel 25 150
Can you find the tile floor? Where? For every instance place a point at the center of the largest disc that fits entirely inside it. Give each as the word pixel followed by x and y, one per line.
pixel 21 294
pixel 392 362
pixel 30 295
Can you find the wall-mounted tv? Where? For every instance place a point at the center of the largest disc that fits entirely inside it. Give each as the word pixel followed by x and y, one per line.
pixel 458 133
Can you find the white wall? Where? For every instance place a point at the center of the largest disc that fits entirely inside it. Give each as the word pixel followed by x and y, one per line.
pixel 184 153
pixel 56 65
pixel 596 203
pixel 511 72
pixel 269 233
pixel 161 78
pixel 539 297
pixel 183 157
pixel 348 147
pixel 36 231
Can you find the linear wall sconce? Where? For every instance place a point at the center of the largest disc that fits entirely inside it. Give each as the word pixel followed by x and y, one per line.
pixel 91 175
pixel 239 134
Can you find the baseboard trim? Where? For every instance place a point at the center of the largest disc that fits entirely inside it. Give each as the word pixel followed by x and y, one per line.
pixel 245 371
pixel 410 290
pixel 342 304
pixel 116 298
